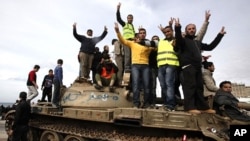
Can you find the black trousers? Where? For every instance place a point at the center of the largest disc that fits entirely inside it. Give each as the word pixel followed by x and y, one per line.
pixel 192 85
pixel 47 92
pixel 20 133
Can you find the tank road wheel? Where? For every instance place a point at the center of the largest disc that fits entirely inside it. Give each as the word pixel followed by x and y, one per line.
pixel 51 136
pixel 9 120
pixel 73 138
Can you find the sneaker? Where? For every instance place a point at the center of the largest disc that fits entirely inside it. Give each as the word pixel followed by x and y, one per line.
pixel 209 111
pixel 168 109
pixel 194 111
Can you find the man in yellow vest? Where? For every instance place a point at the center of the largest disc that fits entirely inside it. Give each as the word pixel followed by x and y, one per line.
pixel 167 62
pixel 128 34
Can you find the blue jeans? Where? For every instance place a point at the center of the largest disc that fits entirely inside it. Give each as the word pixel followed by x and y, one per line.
pixel 166 76
pixel 140 72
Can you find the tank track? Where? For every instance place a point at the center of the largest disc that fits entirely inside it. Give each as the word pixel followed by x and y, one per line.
pixel 102 134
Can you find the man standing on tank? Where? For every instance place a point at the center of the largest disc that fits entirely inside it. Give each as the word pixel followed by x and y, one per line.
pixel 58 83
pixel 128 34
pixel 191 62
pixel 86 54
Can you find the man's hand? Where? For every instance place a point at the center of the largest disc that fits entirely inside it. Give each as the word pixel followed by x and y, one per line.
pixel 170 23
pixel 74 25
pixel 116 28
pixel 207 15
pixel 118 6
pixel 105 28
pixel 160 27
pixel 177 22
pixel 222 31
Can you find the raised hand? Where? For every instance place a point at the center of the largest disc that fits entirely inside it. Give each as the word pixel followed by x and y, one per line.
pixel 116 28
pixel 170 23
pixel 74 25
pixel 118 6
pixel 105 28
pixel 177 22
pixel 160 27
pixel 222 31
pixel 207 15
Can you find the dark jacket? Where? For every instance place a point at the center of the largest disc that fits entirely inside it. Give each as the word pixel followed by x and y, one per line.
pixel 97 59
pixel 230 103
pixel 190 50
pixel 48 81
pixel 22 115
pixel 88 44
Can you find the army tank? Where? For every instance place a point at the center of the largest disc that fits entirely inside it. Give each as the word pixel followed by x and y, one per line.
pixel 87 114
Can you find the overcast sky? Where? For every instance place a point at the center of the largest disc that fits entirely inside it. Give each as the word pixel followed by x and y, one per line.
pixel 40 32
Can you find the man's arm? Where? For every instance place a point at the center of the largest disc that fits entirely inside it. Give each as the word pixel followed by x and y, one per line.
pixel 77 36
pixel 179 42
pixel 209 82
pixel 204 26
pixel 118 16
pixel 215 42
pixel 119 36
pixel 104 33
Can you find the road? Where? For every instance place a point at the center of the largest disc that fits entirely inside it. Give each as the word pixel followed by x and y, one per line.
pixel 3 135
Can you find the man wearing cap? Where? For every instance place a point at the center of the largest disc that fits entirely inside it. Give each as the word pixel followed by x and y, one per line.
pixel 20 127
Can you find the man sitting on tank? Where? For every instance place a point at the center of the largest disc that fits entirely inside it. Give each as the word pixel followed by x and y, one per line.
pixel 106 73
pixel 225 103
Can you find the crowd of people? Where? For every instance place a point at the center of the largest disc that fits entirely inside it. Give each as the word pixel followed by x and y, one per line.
pixel 175 60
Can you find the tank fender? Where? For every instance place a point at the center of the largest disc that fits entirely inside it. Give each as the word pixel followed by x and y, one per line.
pixel 8 113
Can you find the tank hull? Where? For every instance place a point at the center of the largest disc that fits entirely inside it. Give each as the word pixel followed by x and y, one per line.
pixel 89 114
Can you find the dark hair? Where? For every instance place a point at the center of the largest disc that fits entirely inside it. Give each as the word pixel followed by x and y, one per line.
pixel 142 29
pixel 224 82
pixel 105 56
pixel 113 41
pixel 50 70
pixel 89 30
pixel 23 95
pixel 36 67
pixel 170 27
pixel 59 61
pixel 155 36
pixel 207 64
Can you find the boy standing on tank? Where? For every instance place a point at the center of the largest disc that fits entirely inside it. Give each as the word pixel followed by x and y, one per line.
pixel 58 83
pixel 47 86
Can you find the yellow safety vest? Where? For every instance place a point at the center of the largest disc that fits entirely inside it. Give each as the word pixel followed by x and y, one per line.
pixel 166 54
pixel 128 31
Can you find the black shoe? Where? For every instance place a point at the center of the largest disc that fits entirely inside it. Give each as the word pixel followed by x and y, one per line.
pixel 98 87
pixel 111 89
